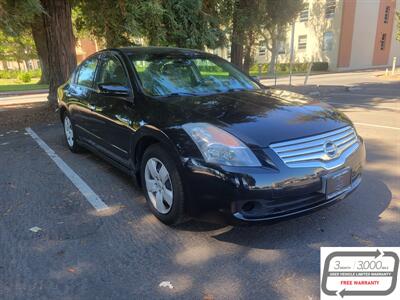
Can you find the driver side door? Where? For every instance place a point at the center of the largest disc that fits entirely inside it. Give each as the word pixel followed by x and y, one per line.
pixel 115 112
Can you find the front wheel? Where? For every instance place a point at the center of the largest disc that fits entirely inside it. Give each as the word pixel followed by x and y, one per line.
pixel 162 185
pixel 69 134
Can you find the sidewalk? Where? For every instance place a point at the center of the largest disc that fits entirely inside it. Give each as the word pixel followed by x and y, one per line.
pixel 22 99
pixel 22 93
pixel 345 79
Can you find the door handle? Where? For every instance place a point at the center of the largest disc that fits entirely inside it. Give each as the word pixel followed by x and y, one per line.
pixel 92 107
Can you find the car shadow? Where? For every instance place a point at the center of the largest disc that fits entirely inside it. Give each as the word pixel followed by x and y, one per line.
pixel 363 94
pixel 324 227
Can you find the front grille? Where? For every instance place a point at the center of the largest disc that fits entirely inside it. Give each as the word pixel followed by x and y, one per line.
pixel 318 150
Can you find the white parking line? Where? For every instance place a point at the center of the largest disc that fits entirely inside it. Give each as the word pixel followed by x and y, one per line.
pixel 378 126
pixel 81 185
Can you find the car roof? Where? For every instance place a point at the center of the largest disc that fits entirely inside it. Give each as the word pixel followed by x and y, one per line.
pixel 168 51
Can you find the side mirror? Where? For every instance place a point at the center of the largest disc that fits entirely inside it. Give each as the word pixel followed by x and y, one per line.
pixel 257 80
pixel 113 90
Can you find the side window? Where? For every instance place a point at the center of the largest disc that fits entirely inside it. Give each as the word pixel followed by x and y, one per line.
pixel 112 72
pixel 86 72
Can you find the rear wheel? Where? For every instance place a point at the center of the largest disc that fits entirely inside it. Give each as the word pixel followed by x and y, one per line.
pixel 69 133
pixel 162 185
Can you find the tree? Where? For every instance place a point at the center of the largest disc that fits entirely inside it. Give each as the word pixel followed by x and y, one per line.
pixel 15 16
pixel 39 36
pixel 254 18
pixel 192 24
pixel 4 49
pixel 51 25
pixel 181 23
pixel 18 18
pixel 19 48
pixel 60 43
pixel 242 16
pixel 115 23
pixel 276 16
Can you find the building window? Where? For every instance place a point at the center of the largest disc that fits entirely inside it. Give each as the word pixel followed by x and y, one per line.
pixel 383 41
pixel 328 41
pixel 330 8
pixel 262 48
pixel 302 44
pixel 387 14
pixel 303 17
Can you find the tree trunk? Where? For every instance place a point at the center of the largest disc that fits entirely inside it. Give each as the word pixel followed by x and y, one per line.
pixel 60 43
pixel 39 37
pixel 237 40
pixel 274 50
pixel 248 59
pixel 5 66
pixel 44 77
pixel 26 62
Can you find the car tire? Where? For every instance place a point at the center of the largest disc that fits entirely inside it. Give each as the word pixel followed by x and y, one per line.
pixel 158 185
pixel 70 134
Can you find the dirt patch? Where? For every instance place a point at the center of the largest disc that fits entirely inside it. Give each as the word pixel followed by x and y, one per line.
pixel 19 116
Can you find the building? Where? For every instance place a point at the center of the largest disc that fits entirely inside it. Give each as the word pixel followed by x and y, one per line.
pixel 84 48
pixel 348 34
pixel 30 64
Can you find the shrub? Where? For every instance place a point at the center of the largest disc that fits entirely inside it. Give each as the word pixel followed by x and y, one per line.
pixel 297 67
pixel 254 68
pixel 282 67
pixel 320 66
pixel 14 74
pixel 8 74
pixel 24 77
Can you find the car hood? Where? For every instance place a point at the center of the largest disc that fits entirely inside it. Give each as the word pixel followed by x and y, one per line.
pixel 259 118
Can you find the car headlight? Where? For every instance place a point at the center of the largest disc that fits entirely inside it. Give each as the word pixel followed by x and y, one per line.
pixel 219 147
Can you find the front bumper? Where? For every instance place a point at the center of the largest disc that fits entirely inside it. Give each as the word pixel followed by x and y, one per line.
pixel 287 209
pixel 264 193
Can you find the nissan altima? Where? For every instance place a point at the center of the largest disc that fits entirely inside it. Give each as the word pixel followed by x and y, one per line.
pixel 197 134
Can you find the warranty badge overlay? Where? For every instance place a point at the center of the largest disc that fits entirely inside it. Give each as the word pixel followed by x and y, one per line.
pixel 360 273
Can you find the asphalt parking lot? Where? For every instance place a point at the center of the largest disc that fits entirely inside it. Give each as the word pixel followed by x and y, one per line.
pixel 123 252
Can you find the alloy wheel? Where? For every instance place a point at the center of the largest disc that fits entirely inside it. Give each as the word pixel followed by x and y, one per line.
pixel 69 133
pixel 158 185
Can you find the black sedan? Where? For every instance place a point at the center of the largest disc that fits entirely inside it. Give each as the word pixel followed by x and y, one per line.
pixel 197 134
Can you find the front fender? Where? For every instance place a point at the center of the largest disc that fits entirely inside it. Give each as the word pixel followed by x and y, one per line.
pixel 149 134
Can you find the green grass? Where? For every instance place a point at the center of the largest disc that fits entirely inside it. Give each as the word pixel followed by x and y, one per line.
pixel 13 85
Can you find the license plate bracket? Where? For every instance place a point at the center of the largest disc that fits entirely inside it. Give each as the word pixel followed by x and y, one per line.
pixel 336 183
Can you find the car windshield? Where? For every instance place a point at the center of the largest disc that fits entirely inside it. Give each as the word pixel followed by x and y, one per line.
pixel 170 76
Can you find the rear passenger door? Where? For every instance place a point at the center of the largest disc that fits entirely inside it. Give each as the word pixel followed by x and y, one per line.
pixel 82 105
